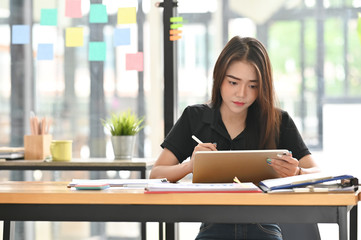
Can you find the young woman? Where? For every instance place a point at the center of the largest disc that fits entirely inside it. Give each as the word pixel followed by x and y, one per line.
pixel 242 115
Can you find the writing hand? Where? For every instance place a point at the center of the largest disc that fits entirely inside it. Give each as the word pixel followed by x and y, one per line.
pixel 203 147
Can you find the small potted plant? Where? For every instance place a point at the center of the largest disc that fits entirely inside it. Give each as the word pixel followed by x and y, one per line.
pixel 123 128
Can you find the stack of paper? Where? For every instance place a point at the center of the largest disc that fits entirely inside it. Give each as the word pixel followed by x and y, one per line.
pixel 11 153
pixel 246 187
pixel 317 182
pixel 103 183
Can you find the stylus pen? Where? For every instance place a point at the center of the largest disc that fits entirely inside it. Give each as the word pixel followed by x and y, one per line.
pixel 196 139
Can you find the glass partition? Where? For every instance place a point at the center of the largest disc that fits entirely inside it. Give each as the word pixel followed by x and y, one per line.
pixel 77 62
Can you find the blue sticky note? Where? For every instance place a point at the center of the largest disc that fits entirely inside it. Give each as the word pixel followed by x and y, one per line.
pixel 20 34
pixel 98 13
pixel 121 36
pixel 45 51
pixel 97 51
pixel 49 17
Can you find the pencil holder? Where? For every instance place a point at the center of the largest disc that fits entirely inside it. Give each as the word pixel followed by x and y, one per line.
pixel 37 147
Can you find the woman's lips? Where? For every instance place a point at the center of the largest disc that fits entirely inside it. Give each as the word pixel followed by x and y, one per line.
pixel 239 103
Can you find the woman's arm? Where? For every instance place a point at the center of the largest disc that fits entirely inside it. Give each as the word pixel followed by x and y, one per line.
pixel 167 166
pixel 307 165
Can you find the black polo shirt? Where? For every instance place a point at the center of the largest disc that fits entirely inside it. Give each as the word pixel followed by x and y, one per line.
pixel 206 124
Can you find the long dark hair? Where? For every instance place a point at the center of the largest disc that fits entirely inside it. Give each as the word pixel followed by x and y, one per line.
pixel 263 118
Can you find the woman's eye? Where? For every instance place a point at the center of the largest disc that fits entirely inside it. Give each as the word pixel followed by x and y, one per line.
pixel 232 82
pixel 253 86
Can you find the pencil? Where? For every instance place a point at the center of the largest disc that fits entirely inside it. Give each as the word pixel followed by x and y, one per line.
pixel 235 179
pixel 196 139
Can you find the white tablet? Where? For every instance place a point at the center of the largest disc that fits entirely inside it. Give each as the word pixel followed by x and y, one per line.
pixel 223 166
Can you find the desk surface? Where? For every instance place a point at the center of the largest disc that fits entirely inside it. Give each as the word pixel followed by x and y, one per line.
pixel 53 201
pixel 58 193
pixel 141 162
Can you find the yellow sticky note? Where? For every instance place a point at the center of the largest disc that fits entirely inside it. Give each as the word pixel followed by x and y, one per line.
pixel 127 15
pixel 74 37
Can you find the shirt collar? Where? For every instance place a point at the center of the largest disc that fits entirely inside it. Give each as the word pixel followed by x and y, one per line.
pixel 213 117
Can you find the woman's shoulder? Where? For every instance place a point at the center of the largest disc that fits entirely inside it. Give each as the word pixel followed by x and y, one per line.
pixel 198 112
pixel 198 109
pixel 282 113
pixel 286 118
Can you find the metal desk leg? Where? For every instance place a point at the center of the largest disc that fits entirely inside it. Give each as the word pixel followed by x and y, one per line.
pixel 8 226
pixel 143 224
pixel 143 173
pixel 171 231
pixel 353 223
pixel 143 230
pixel 342 222
pixel 161 230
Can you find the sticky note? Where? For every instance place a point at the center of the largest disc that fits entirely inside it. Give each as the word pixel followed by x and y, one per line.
pixel 74 37
pixel 134 61
pixel 175 26
pixel 175 31
pixel 45 51
pixel 174 37
pixel 49 17
pixel 98 13
pixel 73 8
pixel 176 19
pixel 97 51
pixel 20 34
pixel 121 36
pixel 127 15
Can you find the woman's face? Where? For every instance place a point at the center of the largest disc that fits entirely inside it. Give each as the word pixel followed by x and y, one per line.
pixel 239 88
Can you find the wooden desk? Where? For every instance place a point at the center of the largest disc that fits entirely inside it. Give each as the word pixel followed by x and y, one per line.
pixel 53 201
pixel 89 164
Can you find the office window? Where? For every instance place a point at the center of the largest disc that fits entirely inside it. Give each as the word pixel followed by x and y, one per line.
pixel 313 46
pixel 353 59
pixel 334 59
pixel 70 61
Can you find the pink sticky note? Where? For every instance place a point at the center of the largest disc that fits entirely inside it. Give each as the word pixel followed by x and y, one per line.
pixel 134 61
pixel 73 8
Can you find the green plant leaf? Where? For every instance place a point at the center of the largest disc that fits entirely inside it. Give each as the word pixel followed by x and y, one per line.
pixel 124 123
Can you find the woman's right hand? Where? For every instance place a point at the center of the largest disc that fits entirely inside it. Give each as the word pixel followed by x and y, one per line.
pixel 202 147
pixel 167 164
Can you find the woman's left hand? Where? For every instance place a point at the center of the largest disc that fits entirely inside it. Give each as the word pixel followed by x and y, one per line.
pixel 285 165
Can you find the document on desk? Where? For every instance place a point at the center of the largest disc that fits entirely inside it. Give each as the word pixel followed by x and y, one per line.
pixel 130 183
pixel 246 187
pixel 318 188
pixel 301 181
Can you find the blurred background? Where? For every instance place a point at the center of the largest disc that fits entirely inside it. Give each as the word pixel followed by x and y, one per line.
pixel 314 46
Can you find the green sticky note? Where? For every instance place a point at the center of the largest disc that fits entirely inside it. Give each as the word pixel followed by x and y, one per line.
pixel 175 26
pixel 98 13
pixel 176 19
pixel 359 26
pixel 97 51
pixel 49 17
